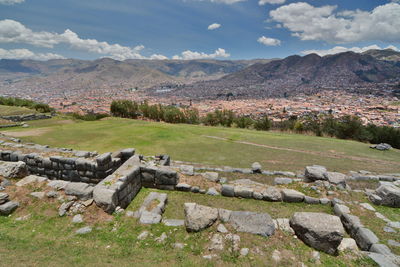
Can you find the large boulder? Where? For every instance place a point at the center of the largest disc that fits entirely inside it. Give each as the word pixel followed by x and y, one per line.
pixel 252 222
pixel 13 169
pixel 315 172
pixel 290 195
pixel 81 190
pixel 211 176
pixel 321 231
pixel 272 194
pixel 243 191
pixel 198 217
pixel 390 195
pixel 365 238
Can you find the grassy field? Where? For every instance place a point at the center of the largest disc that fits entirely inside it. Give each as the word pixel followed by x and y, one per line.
pixel 211 145
pixel 114 241
pixel 9 111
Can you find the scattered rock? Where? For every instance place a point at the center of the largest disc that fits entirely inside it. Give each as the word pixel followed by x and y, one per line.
pixel 319 230
pixel 84 230
pixel 4 198
pixel 367 206
pixel 365 238
pixel 389 229
pixel 161 238
pixel 284 225
pixel 381 146
pixel 393 243
pixel 315 172
pixel 183 187
pixel 217 242
pixel 224 215
pixel 31 179
pixel 256 167
pixel 178 245
pixel 39 195
pixel 198 217
pixel 281 180
pixel 13 169
pixel 211 176
pixel 227 190
pixel 57 184
pixel 340 209
pixel 234 240
pixel 390 195
pixel 8 208
pixel 212 192
pixel 147 217
pixel 394 224
pixel 251 222
pixel 242 191
pixel 77 219
pixel 23 218
pixel 348 244
pixel 173 222
pixel 143 235
pixel 244 252
pixel 381 249
pixel 187 170
pixel 382 260
pixel 52 194
pixel 64 208
pixel 222 229
pixel 311 200
pixel 276 256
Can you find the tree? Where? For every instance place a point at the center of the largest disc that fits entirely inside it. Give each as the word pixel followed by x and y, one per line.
pixel 263 124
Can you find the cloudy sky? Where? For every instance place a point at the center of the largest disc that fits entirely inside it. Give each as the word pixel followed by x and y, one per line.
pixel 192 29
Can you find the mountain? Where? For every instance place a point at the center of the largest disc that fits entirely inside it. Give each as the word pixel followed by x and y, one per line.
pixel 296 74
pixel 68 74
pixel 385 54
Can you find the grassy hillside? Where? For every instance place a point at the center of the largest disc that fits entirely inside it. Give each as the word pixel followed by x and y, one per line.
pixel 10 110
pixel 212 145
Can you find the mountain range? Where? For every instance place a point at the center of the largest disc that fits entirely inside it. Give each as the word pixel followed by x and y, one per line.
pixel 371 71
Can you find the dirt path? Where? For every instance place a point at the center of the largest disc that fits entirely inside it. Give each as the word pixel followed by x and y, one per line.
pixel 323 154
pixel 33 132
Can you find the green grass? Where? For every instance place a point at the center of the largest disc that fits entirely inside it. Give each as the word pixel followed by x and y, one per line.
pixel 277 151
pixel 11 110
pixel 47 239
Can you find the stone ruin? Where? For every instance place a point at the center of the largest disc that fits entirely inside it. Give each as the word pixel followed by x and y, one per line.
pixel 112 180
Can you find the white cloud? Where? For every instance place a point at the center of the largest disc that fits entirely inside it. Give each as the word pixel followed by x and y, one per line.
pixel 341 49
pixel 269 41
pixel 264 2
pixel 27 54
pixel 214 26
pixel 190 55
pixel 12 31
pixel 158 57
pixel 324 24
pixel 11 2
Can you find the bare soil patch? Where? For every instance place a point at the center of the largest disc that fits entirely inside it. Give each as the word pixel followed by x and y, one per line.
pixel 33 132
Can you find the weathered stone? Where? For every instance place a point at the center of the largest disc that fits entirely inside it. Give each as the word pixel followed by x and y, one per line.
pixel 290 195
pixel 211 176
pixel 315 172
pixel 252 222
pixel 324 201
pixel 64 208
pixel 335 177
pixel 258 195
pixel 183 187
pixel 393 243
pixel 84 230
pixel 256 167
pixel 77 219
pixel 224 215
pixel 390 195
pixel 377 200
pixel 394 224
pixel 244 252
pixel 103 159
pixel 13 169
pixel 8 208
pixel 281 180
pixel 143 235
pixel 284 225
pixel 4 197
pixel 160 199
pixel 187 170
pixel 351 223
pixel 242 191
pixel 227 190
pixel 383 260
pixel 149 218
pixel 212 192
pixel 340 209
pixel 381 249
pixel 217 242
pixel 198 217
pixel 52 194
pixel 31 179
pixel 234 240
pixel 311 200
pixel 367 206
pixel 39 195
pixel 348 244
pixel 272 194
pixel 365 238
pixel 222 229
pixel 57 184
pixel 81 190
pixel 319 230
pixel 173 222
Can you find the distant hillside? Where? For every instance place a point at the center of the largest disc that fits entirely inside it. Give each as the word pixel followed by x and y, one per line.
pixel 296 74
pixel 385 54
pixel 71 74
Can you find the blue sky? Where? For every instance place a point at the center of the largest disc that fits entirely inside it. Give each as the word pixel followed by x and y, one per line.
pixel 157 29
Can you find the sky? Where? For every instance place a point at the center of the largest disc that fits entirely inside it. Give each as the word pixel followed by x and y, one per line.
pixel 194 29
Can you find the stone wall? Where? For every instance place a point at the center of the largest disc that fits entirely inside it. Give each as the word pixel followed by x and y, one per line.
pixel 119 188
pixel 29 117
pixel 69 169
